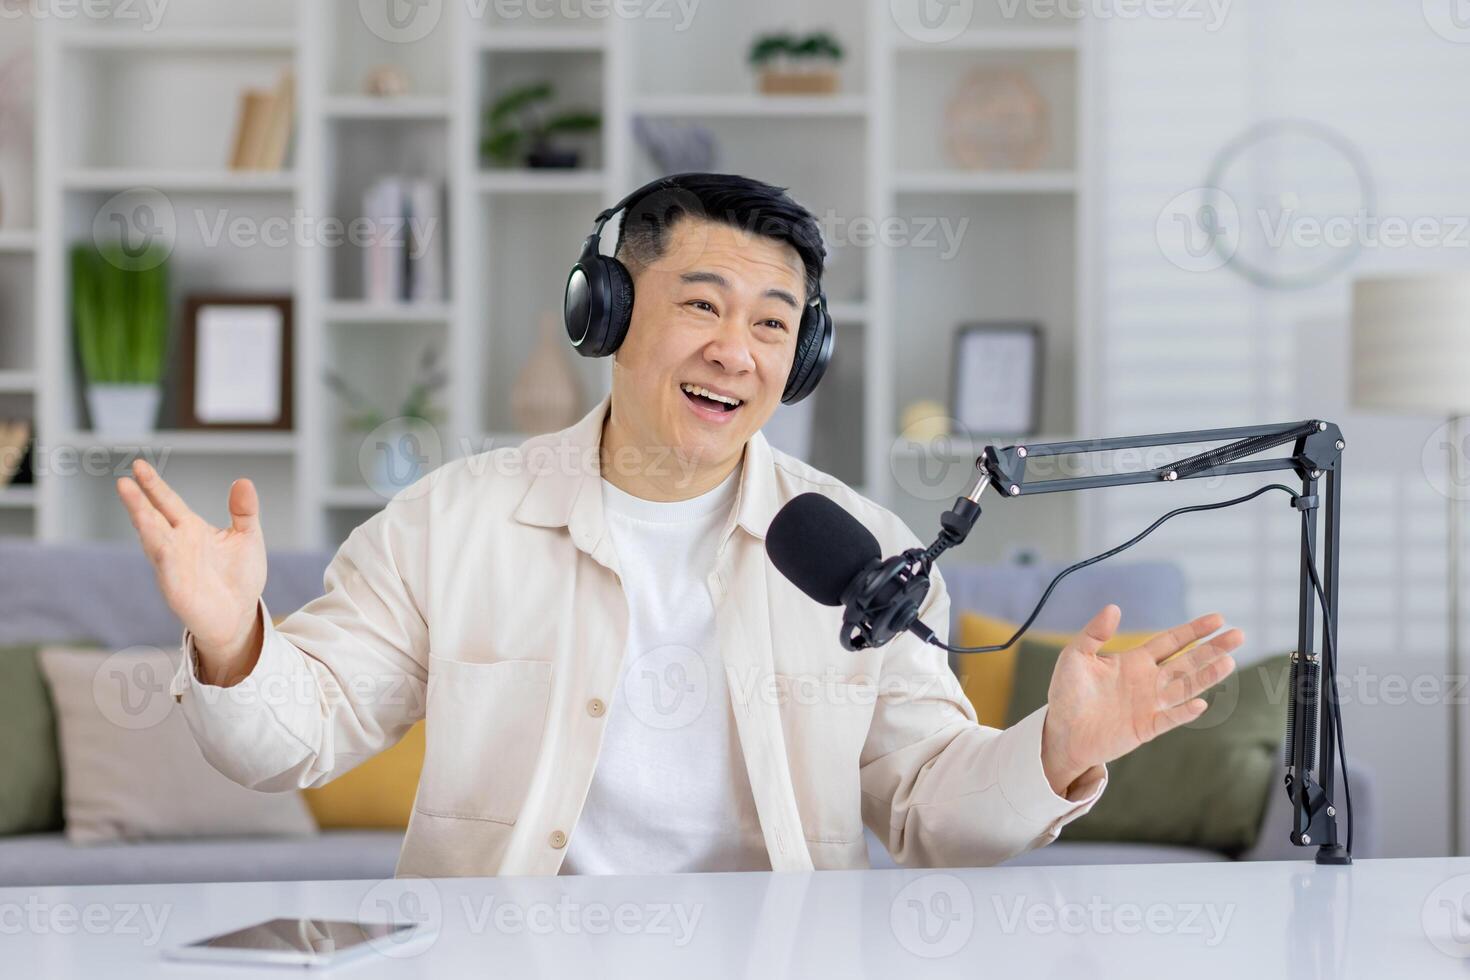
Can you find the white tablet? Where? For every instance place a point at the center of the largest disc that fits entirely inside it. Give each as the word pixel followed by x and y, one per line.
pixel 304 942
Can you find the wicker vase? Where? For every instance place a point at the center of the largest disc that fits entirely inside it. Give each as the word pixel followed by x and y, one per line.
pixel 546 395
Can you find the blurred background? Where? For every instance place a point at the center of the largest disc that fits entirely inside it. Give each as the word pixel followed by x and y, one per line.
pixel 323 245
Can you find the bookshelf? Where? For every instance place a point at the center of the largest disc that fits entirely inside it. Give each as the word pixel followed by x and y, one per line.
pixel 20 374
pixel 869 152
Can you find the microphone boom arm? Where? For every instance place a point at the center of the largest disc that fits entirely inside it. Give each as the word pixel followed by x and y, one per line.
pixel 1313 730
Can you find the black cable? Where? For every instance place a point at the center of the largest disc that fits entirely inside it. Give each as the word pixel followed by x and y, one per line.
pixel 1106 554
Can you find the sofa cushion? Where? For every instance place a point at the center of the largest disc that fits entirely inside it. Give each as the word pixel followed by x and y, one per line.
pixel 30 765
pixel 1203 784
pixel 130 766
pixel 377 794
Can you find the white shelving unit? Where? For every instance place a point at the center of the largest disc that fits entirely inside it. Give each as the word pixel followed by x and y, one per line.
pixel 20 376
pixel 870 152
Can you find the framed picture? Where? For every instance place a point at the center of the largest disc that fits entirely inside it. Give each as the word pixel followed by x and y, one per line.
pixel 236 370
pixel 996 388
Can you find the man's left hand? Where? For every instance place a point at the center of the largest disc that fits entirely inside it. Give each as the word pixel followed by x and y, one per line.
pixel 1103 706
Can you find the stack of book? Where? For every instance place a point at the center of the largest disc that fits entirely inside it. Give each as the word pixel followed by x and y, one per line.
pixel 403 261
pixel 15 452
pixel 263 126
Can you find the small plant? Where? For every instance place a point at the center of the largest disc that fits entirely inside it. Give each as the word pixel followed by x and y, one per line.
pixel 418 404
pixel 517 125
pixel 784 49
pixel 120 311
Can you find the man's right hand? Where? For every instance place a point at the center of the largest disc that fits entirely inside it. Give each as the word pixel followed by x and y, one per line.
pixel 212 578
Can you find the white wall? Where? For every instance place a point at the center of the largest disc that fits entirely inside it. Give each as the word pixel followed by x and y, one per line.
pixel 1184 349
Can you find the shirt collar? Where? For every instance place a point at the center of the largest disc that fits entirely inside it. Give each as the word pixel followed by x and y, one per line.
pixel 565 489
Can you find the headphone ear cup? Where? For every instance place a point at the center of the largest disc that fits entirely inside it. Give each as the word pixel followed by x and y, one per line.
pixel 813 352
pixel 620 309
pixel 598 304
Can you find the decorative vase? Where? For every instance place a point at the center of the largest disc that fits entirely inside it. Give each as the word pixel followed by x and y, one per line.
pixel 997 119
pixel 546 396
pixel 125 410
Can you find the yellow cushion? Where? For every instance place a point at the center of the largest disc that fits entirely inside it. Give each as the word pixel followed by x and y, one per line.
pixel 377 794
pixel 987 678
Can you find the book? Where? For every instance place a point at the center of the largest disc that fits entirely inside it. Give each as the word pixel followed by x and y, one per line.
pixel 250 128
pixel 276 140
pixel 385 256
pixel 425 229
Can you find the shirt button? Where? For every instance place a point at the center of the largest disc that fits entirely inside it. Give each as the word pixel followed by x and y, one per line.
pixel 558 839
pixel 596 708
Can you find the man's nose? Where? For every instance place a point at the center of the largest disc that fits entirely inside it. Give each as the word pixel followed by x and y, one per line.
pixel 730 349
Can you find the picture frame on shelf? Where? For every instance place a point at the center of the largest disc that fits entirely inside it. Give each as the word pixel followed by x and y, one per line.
pixel 997 373
pixel 236 363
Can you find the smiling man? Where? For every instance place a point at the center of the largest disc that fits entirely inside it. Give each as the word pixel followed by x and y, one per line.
pixel 615 679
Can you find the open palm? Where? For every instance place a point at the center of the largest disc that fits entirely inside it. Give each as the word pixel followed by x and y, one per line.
pixel 1103 706
pixel 210 577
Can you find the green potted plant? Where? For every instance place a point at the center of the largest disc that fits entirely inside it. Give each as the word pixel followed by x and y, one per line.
pixel 519 126
pixel 391 453
pixel 791 64
pixel 121 319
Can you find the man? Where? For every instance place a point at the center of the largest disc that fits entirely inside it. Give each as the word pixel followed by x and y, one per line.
pixel 614 677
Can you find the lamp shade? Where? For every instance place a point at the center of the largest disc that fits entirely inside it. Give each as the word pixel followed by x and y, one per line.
pixel 1411 344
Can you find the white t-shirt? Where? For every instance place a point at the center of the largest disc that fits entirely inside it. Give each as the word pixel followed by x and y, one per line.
pixel 670 792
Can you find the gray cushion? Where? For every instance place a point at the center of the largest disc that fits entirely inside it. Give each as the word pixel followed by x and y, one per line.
pixel 106 593
pixel 47 859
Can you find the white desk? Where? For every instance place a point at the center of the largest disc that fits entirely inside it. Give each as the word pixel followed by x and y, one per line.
pixel 1242 921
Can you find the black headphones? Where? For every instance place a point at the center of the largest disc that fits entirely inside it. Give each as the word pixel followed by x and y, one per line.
pixel 598 304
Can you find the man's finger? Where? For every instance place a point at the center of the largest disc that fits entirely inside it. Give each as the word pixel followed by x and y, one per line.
pixel 1195 657
pixel 244 506
pixel 1098 630
pixel 1194 683
pixel 169 504
pixel 1161 646
pixel 152 529
pixel 1180 714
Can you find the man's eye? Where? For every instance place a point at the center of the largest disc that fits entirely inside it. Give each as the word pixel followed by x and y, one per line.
pixel 778 324
pixel 700 304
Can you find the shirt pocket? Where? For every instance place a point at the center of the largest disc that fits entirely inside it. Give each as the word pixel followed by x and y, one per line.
pixel 484 731
pixel 825 723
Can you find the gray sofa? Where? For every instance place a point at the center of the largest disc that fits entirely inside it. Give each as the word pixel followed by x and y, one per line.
pixel 105 594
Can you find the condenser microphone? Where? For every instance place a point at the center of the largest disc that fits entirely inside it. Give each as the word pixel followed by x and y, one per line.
pixel 827 554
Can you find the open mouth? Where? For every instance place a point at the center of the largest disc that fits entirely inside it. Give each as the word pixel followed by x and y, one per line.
pixel 710 401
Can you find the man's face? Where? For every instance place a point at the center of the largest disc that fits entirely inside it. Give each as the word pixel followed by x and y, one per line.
pixel 719 310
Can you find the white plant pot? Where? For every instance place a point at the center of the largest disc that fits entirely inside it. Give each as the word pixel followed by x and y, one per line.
pixel 123 409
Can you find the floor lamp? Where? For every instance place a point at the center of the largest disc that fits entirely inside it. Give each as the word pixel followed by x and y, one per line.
pixel 1411 353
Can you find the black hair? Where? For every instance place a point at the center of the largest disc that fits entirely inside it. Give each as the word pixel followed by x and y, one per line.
pixel 740 202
